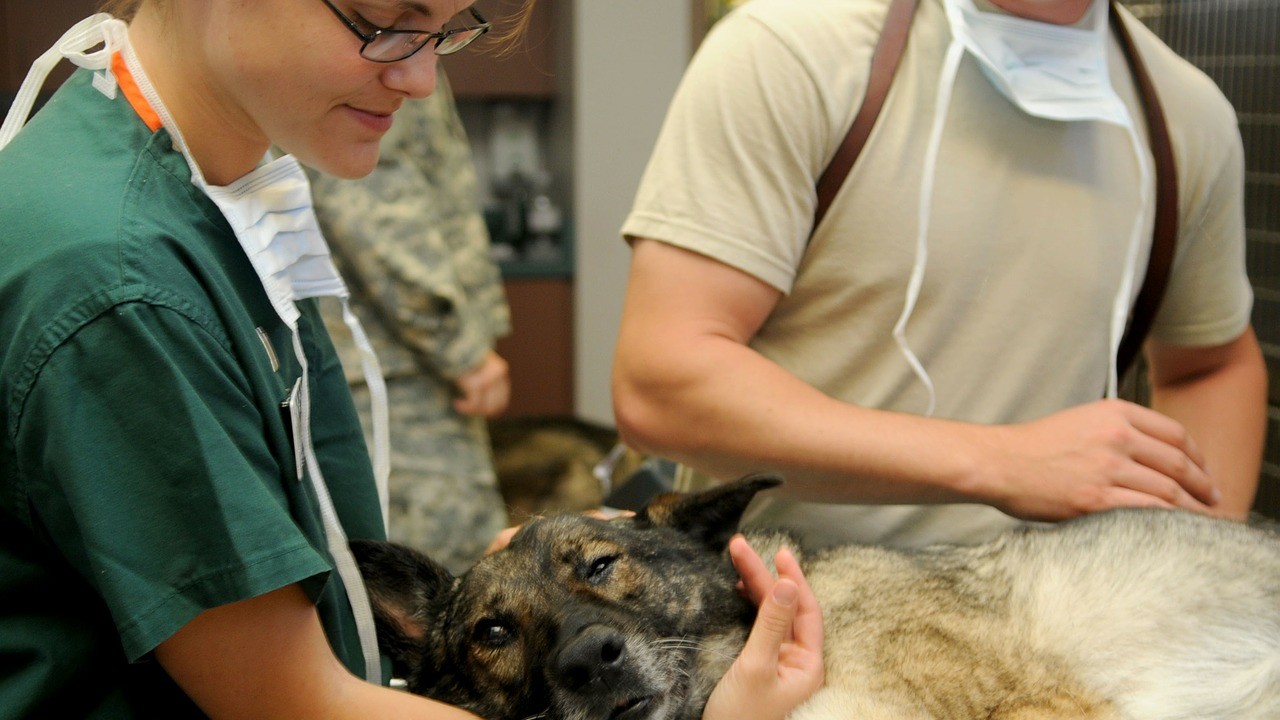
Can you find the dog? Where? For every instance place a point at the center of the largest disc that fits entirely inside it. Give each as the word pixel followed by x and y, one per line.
pixel 1129 614
pixel 548 464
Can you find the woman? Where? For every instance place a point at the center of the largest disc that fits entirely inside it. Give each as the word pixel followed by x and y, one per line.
pixel 182 462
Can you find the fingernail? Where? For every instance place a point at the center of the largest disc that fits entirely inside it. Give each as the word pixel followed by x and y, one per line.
pixel 784 593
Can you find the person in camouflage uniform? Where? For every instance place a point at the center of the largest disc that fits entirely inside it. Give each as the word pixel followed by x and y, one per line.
pixel 412 245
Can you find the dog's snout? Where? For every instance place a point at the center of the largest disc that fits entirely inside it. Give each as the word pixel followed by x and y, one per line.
pixel 598 652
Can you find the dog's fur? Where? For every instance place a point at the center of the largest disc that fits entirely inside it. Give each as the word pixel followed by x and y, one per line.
pixel 1129 614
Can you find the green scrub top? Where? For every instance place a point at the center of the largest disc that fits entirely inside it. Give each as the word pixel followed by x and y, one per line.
pixel 147 472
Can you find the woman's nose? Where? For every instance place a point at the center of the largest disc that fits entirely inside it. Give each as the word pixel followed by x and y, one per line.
pixel 414 76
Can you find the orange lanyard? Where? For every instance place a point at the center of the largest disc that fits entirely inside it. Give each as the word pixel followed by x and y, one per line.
pixel 133 93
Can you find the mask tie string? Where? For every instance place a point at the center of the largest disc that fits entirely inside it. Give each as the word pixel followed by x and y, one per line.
pixel 343 560
pixel 93 30
pixel 380 412
pixel 946 83
pixel 1120 309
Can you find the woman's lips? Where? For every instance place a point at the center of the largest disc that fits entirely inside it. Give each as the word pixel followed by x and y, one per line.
pixel 376 121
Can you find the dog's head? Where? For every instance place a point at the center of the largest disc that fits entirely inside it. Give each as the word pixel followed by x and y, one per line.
pixel 578 618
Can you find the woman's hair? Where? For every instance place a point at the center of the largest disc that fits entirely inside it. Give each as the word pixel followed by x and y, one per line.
pixel 126 9
pixel 123 9
pixel 507 35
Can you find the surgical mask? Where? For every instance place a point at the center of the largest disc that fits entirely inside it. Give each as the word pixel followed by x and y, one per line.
pixel 270 211
pixel 1048 71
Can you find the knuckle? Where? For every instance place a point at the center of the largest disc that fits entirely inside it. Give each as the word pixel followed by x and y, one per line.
pixel 1115 435
pixel 1090 499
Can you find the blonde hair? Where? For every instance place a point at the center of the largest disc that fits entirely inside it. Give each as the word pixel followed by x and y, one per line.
pixel 126 9
pixel 507 35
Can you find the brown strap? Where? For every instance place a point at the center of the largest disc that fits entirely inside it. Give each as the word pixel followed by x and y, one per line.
pixel 884 63
pixel 1165 233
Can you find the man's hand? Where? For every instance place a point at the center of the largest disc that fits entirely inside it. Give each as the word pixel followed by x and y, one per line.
pixel 484 390
pixel 1109 453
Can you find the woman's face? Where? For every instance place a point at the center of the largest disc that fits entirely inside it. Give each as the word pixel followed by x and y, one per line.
pixel 292 71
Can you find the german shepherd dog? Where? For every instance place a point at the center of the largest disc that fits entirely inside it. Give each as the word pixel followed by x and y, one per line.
pixel 1138 614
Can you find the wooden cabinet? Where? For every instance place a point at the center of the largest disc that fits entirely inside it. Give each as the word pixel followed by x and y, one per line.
pixel 540 347
pixel 501 66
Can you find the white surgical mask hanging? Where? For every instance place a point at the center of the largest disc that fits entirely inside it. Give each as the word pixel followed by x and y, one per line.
pixel 1048 71
pixel 271 213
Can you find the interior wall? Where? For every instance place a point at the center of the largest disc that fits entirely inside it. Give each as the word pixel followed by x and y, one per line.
pixel 628 58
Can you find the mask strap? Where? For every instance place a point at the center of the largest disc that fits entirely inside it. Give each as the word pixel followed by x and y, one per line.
pixel 372 372
pixel 94 30
pixel 343 561
pixel 1124 296
pixel 946 83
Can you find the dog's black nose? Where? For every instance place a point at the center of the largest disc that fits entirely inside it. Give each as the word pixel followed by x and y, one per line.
pixel 598 652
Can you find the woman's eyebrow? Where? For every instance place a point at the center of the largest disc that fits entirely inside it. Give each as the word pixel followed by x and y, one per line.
pixel 417 7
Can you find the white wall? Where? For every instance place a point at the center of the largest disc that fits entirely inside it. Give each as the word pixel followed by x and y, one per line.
pixel 628 56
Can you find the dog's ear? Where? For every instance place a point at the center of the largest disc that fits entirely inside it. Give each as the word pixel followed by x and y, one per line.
pixel 405 589
pixel 710 516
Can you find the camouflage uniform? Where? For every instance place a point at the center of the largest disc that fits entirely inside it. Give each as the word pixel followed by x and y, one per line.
pixel 412 245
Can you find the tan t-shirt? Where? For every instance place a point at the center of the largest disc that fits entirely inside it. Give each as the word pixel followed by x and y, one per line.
pixel 1030 223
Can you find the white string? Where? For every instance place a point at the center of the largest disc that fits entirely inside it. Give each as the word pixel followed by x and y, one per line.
pixel 344 562
pixel 372 372
pixel 946 83
pixel 82 36
pixel 1122 305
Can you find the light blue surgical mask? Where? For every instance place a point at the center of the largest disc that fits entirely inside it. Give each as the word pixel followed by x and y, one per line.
pixel 1051 71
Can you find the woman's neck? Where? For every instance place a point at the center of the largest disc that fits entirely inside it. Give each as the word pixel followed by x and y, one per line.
pixel 224 143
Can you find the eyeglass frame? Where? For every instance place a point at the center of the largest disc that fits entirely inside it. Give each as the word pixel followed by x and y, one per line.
pixel 482 25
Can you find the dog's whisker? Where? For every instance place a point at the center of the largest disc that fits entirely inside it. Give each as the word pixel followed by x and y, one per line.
pixel 686 643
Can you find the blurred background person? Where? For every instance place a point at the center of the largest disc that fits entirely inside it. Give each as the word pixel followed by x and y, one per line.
pixel 411 243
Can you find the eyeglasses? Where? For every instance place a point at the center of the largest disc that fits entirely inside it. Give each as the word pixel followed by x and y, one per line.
pixel 387 45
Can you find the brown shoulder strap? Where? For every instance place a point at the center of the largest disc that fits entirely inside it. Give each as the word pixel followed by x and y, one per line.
pixel 1165 233
pixel 884 64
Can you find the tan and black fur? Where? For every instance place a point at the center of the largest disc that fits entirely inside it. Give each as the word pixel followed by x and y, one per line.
pixel 1138 614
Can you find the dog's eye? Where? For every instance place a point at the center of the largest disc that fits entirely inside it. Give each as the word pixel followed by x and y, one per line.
pixel 598 570
pixel 493 633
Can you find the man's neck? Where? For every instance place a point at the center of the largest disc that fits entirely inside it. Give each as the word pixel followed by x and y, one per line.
pixel 1058 12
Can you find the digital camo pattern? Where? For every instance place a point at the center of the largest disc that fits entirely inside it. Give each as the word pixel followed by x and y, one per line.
pixel 411 243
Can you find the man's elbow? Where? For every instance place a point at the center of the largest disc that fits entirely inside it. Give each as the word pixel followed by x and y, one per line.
pixel 647 415
pixel 635 417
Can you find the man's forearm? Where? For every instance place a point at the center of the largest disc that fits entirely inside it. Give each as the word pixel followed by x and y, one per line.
pixel 1224 410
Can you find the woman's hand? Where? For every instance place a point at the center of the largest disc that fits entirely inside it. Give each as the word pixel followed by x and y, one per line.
pixel 781 665
pixel 485 389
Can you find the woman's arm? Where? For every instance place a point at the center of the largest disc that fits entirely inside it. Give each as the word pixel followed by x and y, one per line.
pixel 267 657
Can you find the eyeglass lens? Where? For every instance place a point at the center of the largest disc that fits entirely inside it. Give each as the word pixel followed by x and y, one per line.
pixel 391 46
